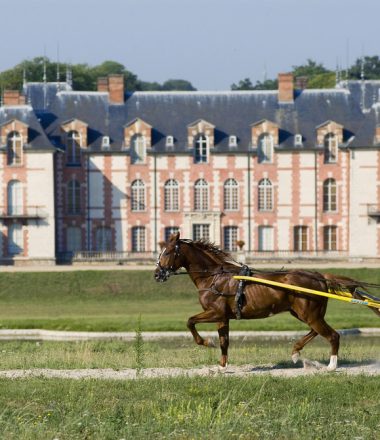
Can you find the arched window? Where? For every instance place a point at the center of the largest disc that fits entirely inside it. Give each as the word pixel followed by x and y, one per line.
pixel 201 149
pixel 265 148
pixel 138 239
pixel 73 197
pixel 14 148
pixel 201 195
pixel 171 195
pixel 265 196
pixel 138 195
pixel 330 148
pixel 15 198
pixel 329 195
pixel 231 195
pixel 138 149
pixel 73 148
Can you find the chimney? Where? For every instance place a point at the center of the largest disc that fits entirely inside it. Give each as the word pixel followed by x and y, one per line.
pixel 116 89
pixel 102 84
pixel 285 88
pixel 13 97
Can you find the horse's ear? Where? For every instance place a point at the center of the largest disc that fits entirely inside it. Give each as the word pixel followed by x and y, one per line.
pixel 176 236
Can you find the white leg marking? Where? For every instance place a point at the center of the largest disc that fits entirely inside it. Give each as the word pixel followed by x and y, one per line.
pixel 295 357
pixel 333 363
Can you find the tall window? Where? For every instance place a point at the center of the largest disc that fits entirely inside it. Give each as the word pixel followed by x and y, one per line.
pixel 265 148
pixel 266 239
pixel 231 195
pixel 329 195
pixel 15 239
pixel 73 197
pixel 138 150
pixel 14 148
pixel 201 195
pixel 230 238
pixel 73 148
pixel 265 199
pixel 201 149
pixel 138 239
pixel 300 238
pixel 15 198
pixel 171 195
pixel 73 239
pixel 170 230
pixel 138 196
pixel 330 238
pixel 103 239
pixel 330 148
pixel 201 231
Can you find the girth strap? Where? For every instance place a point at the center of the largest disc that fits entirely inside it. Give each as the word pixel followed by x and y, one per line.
pixel 239 297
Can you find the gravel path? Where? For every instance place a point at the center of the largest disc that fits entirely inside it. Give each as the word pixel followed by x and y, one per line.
pixel 230 371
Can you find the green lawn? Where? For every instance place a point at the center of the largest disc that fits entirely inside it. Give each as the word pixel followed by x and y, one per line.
pixel 112 300
pixel 327 407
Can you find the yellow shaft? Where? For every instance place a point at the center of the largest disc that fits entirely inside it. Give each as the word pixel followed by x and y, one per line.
pixel 313 292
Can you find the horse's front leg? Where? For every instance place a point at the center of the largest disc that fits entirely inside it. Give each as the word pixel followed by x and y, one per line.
pixel 206 316
pixel 223 330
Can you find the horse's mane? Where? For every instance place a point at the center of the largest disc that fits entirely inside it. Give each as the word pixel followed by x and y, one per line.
pixel 218 254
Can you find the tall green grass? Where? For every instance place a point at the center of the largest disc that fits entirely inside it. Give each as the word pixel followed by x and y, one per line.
pixel 111 301
pixel 328 407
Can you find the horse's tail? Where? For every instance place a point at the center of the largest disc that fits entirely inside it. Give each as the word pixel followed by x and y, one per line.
pixel 355 287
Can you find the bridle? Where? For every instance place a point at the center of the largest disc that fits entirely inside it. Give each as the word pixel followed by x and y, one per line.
pixel 165 272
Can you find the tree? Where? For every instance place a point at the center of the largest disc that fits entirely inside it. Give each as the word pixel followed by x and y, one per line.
pixel 244 84
pixel 178 84
pixel 310 69
pixel 371 68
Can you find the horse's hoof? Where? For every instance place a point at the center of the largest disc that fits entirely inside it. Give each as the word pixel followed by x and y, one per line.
pixel 223 369
pixel 332 366
pixel 209 342
pixel 295 357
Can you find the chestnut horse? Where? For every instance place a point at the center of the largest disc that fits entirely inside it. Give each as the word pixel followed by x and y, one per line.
pixel 212 270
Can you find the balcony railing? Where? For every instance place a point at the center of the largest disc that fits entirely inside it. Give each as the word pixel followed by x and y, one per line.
pixel 23 212
pixel 104 257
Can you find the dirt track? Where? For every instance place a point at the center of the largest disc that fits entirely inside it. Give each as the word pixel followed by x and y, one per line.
pixel 231 371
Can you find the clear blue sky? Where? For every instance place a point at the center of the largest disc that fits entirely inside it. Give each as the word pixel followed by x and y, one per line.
pixel 211 43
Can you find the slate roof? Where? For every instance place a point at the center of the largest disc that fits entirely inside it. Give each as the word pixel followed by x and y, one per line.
pixel 25 113
pixel 232 113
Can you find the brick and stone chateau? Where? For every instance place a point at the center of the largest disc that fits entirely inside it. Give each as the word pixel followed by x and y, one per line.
pixel 111 174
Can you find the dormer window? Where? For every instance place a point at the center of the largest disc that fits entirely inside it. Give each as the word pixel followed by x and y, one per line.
pixel 14 148
pixel 330 148
pixel 297 140
pixel 138 149
pixel 201 149
pixel 265 148
pixel 169 141
pixel 105 143
pixel 232 141
pixel 74 142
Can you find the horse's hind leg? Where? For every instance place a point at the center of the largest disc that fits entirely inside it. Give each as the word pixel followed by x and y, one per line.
pixel 300 344
pixel 323 329
pixel 223 330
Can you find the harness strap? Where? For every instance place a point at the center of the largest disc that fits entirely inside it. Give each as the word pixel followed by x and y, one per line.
pixel 239 297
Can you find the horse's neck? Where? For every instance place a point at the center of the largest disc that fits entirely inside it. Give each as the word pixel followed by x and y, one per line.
pixel 198 263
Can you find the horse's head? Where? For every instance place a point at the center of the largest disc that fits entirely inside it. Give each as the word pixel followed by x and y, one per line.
pixel 169 259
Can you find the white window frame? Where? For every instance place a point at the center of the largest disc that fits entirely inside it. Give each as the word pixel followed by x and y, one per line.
pixel 74 144
pixel 169 141
pixel 232 141
pixel 73 197
pixel 14 149
pixel 230 237
pixel 15 239
pixel 138 196
pixel 138 239
pixel 171 196
pixel 201 149
pixel 330 195
pixel 201 195
pixel 15 197
pixel 266 238
pixel 301 238
pixel 170 230
pixel 201 231
pixel 231 195
pixel 265 195
pixel 265 148
pixel 330 144
pixel 330 238
pixel 138 149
